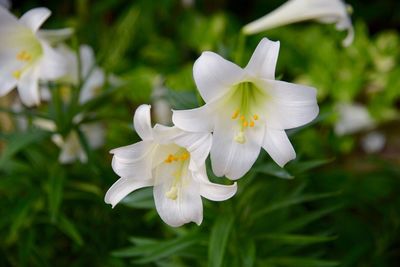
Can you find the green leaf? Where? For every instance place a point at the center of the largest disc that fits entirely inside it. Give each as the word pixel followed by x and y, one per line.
pixel 69 229
pixel 219 239
pixel 273 170
pixel 301 240
pixel 18 141
pixel 299 262
pixel 55 191
pixel 301 221
pixel 293 201
pixel 141 199
pixel 301 167
pixel 153 251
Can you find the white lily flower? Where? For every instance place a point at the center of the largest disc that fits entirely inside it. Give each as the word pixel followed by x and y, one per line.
pixel 352 118
pixel 247 109
pixel 24 57
pixel 171 160
pixel 325 11
pixel 70 146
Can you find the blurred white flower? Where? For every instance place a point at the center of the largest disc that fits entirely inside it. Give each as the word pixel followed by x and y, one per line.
pixel 70 146
pixel 352 118
pixel 373 142
pixel 247 109
pixel 325 11
pixel 24 57
pixel 5 3
pixel 162 112
pixel 92 75
pixel 171 160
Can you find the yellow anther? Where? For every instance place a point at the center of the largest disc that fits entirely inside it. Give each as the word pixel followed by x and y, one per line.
pixel 16 74
pixel 184 156
pixel 172 193
pixel 24 56
pixel 255 117
pixel 235 115
pixel 245 124
pixel 251 123
pixel 169 159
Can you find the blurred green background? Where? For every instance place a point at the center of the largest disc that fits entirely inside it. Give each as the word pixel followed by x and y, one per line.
pixel 335 205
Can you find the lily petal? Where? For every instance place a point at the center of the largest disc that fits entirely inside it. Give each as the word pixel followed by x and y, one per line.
pixel 122 187
pixel 325 11
pixel 195 120
pixel 28 87
pixel 133 152
pixel 142 122
pixel 263 61
pixel 52 64
pixel 215 75
pixel 187 207
pixel 212 191
pixel 133 161
pixel 55 36
pixel 34 18
pixel 230 158
pixel 278 146
pixel 290 105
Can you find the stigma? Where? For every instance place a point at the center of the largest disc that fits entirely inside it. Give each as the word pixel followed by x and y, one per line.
pixel 24 56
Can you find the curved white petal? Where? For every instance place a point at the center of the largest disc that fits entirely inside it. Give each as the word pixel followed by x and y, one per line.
pixel 55 36
pixel 326 11
pixel 214 75
pixel 91 85
pixel 212 191
pixel 278 146
pixel 187 207
pixel 122 187
pixel 142 122
pixel 53 64
pixel 195 120
pixel 34 18
pixel 290 105
pixel 28 87
pixel 263 61
pixel 7 19
pixel 133 152
pixel 87 59
pixel 133 161
pixel 230 158
pixel 7 82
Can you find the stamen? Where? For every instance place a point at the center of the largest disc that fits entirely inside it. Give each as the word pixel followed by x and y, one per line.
pixel 184 156
pixel 240 138
pixel 169 159
pixel 16 74
pixel 24 56
pixel 251 123
pixel 172 193
pixel 255 117
pixel 242 117
pixel 245 124
pixel 235 114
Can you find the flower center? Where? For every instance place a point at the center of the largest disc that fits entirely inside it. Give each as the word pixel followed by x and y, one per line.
pixel 27 56
pixel 246 97
pixel 181 158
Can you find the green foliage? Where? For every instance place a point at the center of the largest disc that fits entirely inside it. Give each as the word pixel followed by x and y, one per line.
pixel 335 205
